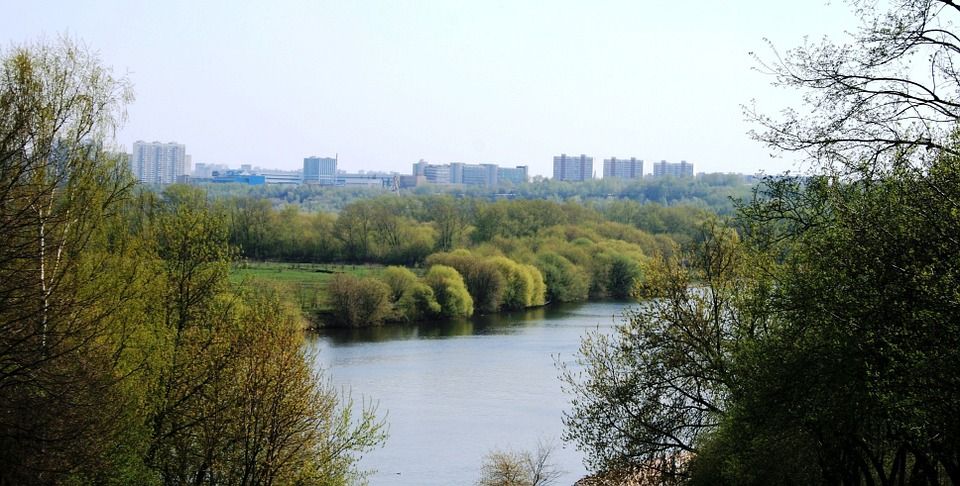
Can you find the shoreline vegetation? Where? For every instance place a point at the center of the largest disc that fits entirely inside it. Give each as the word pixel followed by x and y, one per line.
pixel 306 279
pixel 412 258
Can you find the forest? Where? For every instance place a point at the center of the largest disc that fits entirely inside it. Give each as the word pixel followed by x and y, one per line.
pixel 716 191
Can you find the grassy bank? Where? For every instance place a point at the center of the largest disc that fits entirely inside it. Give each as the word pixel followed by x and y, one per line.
pixel 305 281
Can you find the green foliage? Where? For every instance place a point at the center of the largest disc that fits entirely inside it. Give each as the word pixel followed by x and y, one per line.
pixel 482 278
pixel 68 288
pixel 821 350
pixel 715 192
pixel 866 298
pixel 412 300
pixel 400 280
pixel 651 390
pixel 418 302
pixel 524 284
pixel 622 275
pixel 565 282
pixel 450 291
pixel 129 357
pixel 358 301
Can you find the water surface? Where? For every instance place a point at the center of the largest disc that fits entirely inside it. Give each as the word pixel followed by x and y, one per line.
pixel 454 391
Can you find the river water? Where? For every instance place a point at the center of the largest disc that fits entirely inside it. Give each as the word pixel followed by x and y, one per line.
pixel 454 391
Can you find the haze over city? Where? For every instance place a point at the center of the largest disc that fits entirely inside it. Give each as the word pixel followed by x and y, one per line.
pixel 384 84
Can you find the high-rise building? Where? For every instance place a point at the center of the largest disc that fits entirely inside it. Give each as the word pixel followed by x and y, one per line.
pixel 159 163
pixel 631 168
pixel 320 170
pixel 572 168
pixel 664 168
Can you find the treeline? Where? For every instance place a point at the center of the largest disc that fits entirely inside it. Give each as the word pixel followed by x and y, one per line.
pixel 713 191
pixel 405 230
pixel 578 252
pixel 126 355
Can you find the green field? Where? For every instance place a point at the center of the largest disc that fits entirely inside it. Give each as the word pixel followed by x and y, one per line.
pixel 304 280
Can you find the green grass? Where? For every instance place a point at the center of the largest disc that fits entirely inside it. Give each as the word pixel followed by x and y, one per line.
pixel 305 281
pixel 304 273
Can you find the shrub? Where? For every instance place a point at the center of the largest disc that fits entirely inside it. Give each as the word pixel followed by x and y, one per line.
pixel 565 281
pixel 483 279
pixel 358 302
pixel 450 291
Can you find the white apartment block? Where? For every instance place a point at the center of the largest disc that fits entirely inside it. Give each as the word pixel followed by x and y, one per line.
pixel 159 163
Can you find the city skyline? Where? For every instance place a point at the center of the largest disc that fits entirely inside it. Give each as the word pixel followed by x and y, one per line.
pixel 634 167
pixel 324 171
pixel 388 83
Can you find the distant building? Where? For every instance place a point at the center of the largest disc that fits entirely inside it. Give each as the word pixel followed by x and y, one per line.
pixel 320 170
pixel 282 176
pixel 467 174
pixel 477 175
pixel 239 177
pixel 204 170
pixel 372 179
pixel 572 168
pixel 159 163
pixel 513 175
pixel 664 168
pixel 432 173
pixel 631 168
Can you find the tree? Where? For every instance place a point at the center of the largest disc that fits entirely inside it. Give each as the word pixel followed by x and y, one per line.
pixel 450 291
pixel 870 240
pixel 185 247
pixel 252 227
pixel 400 280
pixel 512 468
pixel 358 301
pixel 565 281
pixel 622 275
pixel 418 302
pixel 353 228
pixel 649 392
pixel 858 377
pixel 283 423
pixel 126 356
pixel 482 278
pixel 868 104
pixel 524 285
pixel 448 219
pixel 65 285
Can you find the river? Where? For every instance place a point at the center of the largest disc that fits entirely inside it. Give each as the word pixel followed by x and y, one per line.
pixel 454 391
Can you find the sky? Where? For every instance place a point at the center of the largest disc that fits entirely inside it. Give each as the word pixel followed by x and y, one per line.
pixel 382 84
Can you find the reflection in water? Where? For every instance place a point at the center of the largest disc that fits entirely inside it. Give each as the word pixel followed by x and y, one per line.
pixel 502 322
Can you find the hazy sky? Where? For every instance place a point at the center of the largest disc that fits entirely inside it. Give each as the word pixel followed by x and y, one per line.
pixel 385 83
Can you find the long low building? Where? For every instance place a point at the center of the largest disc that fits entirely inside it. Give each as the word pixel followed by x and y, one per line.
pixel 490 175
